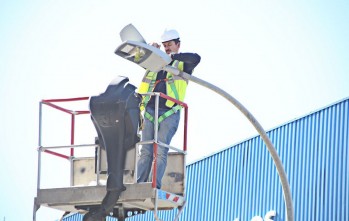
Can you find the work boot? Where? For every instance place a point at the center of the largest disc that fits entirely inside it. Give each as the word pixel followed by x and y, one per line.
pixel 106 208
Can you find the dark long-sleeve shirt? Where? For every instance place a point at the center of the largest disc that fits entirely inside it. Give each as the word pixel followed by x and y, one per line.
pixel 191 60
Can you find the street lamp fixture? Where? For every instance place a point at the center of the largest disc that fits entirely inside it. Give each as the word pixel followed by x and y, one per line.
pixel 154 59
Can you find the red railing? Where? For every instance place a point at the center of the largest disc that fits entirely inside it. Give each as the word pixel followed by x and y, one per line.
pixel 73 113
pixel 155 145
pixel 49 102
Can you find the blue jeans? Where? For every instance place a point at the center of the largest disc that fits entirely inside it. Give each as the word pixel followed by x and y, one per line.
pixel 166 131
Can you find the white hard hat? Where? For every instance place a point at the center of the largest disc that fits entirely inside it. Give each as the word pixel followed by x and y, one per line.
pixel 169 35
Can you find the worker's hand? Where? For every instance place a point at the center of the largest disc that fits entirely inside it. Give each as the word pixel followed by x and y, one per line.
pixel 154 44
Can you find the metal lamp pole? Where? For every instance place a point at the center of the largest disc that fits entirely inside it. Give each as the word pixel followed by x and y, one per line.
pixel 137 51
pixel 258 127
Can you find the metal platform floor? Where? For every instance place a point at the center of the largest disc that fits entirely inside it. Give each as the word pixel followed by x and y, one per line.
pixel 139 195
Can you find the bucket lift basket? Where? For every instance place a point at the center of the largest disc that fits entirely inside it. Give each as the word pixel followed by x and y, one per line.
pixel 87 174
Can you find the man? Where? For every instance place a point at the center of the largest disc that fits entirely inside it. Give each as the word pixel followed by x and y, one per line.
pixel 169 113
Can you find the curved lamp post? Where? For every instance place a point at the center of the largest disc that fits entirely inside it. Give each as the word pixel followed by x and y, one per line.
pixel 155 60
pixel 257 126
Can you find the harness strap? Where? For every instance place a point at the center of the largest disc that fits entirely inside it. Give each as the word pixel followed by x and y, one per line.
pixel 164 115
pixel 151 88
pixel 169 113
pixel 171 82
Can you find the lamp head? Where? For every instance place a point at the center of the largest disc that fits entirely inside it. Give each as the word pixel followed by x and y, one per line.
pixel 144 55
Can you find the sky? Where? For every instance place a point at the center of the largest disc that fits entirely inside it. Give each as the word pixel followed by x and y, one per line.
pixel 281 59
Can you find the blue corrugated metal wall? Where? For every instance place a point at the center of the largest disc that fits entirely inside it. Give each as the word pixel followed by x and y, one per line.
pixel 241 182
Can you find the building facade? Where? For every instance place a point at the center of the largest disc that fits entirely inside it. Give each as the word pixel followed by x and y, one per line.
pixel 241 182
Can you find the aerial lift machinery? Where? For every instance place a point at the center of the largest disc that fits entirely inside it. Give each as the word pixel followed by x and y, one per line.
pixel 135 198
pixel 116 117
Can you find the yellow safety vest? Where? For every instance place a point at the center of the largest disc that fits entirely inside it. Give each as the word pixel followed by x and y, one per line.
pixel 175 87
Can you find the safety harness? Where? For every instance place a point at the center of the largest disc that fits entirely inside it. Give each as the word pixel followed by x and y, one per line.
pixel 151 88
